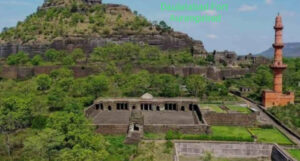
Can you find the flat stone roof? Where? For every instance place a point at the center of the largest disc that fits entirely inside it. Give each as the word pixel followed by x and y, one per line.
pixel 111 117
pixel 156 99
pixel 168 117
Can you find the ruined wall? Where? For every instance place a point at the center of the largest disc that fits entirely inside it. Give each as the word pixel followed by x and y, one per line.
pixel 232 119
pixel 172 41
pixel 18 72
pixel 186 129
pixel 112 129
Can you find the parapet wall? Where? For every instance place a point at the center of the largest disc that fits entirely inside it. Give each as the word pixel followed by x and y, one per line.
pixel 231 150
pixel 186 129
pixel 224 149
pixel 112 129
pixel 231 119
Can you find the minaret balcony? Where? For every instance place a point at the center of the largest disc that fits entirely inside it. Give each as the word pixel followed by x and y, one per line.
pixel 278 45
pixel 280 27
pixel 278 66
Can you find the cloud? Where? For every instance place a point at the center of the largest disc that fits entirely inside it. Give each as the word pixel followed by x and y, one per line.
pixel 269 1
pixel 247 8
pixel 210 12
pixel 212 36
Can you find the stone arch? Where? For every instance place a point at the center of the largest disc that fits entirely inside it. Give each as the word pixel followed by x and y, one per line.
pixel 109 108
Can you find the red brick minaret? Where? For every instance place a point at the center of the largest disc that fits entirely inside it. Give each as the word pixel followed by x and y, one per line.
pixel 277 65
pixel 276 97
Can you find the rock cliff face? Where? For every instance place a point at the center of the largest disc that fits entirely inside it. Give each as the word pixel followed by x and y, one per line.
pixel 164 41
pixel 88 40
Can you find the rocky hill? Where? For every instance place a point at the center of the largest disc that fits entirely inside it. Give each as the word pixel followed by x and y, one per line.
pixel 289 50
pixel 86 24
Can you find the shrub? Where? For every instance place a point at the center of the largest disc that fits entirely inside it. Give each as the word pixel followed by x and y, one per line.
pixel 39 122
pixel 19 58
pixel 43 82
pixel 68 60
pixel 171 135
pixel 52 55
pixel 36 60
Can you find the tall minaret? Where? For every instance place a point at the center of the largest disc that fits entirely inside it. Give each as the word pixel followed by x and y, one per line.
pixel 278 65
pixel 276 97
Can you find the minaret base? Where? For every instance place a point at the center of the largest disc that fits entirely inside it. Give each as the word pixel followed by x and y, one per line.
pixel 271 98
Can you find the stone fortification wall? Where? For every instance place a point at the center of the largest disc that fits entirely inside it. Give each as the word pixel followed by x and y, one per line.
pixel 232 119
pixel 18 72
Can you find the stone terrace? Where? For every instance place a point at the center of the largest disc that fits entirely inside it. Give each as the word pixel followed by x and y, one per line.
pixel 168 117
pixel 112 117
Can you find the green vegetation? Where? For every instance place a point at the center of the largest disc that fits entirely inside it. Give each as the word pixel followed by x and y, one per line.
pixel 155 151
pixel 239 108
pixel 231 133
pixel 263 79
pixel 212 107
pixel 295 153
pixel 154 136
pixel 118 150
pixel 270 135
pixel 77 18
pixel 219 133
pixel 289 115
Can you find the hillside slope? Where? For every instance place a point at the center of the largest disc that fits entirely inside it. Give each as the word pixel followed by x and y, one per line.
pixel 69 24
pixel 290 50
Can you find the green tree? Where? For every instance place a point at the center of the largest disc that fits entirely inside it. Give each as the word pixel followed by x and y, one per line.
pixel 43 81
pixel 15 113
pixel 196 85
pixel 44 146
pixel 98 85
pixel 165 85
pixel 136 84
pixel 56 99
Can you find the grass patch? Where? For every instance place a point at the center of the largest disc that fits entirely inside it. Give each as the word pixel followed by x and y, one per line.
pixel 270 135
pixel 238 108
pixel 118 150
pixel 212 107
pixel 295 153
pixel 219 133
pixel 154 136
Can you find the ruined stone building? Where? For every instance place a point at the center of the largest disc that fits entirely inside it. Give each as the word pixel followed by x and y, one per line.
pixel 276 97
pixel 134 116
